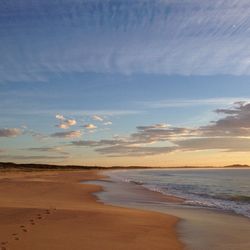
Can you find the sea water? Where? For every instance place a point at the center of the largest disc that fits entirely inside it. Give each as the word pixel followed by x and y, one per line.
pixel 222 189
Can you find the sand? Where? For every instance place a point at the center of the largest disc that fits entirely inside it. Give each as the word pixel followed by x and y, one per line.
pixel 199 228
pixel 53 210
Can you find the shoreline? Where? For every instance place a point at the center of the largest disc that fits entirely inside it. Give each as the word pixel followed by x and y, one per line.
pixel 53 210
pixel 198 228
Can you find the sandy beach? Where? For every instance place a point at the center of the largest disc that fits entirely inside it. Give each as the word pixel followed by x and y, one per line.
pixel 200 228
pixel 53 210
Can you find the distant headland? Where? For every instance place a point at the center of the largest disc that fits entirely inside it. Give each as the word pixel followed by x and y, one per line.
pixel 8 166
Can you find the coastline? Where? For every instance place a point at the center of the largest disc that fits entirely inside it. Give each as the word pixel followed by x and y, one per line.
pixel 199 228
pixel 53 210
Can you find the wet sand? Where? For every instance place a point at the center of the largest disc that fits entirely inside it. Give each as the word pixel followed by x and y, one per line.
pixel 53 210
pixel 199 229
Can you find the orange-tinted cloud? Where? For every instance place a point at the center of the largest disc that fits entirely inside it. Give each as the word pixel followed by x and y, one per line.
pixel 64 122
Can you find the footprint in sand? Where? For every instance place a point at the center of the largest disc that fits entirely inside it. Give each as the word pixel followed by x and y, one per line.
pixel 32 222
pixel 39 216
pixel 4 243
pixel 15 235
pixel 23 228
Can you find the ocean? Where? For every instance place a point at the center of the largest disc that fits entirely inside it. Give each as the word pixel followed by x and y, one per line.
pixel 222 189
pixel 215 213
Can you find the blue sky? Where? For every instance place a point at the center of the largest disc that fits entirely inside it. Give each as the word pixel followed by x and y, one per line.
pixel 125 82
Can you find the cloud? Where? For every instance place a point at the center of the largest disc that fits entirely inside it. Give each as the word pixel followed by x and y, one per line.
pixel 107 123
pixel 65 123
pixel 121 147
pixel 101 143
pixel 154 133
pixel 76 112
pixel 131 146
pixel 231 133
pixel 68 134
pixel 190 37
pixel 10 132
pixel 36 135
pixel 228 144
pixel 154 126
pixel 70 122
pixel 60 117
pixel 58 150
pixel 90 126
pixel 85 143
pixel 173 103
pixel 32 157
pixel 97 118
pixel 62 125
pixel 121 151
pixel 235 123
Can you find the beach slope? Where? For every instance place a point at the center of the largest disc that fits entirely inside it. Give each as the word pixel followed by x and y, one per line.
pixel 53 210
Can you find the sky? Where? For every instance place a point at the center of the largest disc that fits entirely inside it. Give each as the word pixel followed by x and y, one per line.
pixel 125 82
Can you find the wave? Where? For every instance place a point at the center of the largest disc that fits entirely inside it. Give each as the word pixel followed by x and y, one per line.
pixel 199 194
pixel 238 204
pixel 240 198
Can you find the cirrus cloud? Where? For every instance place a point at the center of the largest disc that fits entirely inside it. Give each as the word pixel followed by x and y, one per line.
pixel 189 37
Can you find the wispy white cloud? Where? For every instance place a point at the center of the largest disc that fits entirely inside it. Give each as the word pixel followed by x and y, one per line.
pixel 103 120
pixel 60 117
pixel 190 37
pixel 107 123
pixel 171 103
pixel 76 112
pixel 97 118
